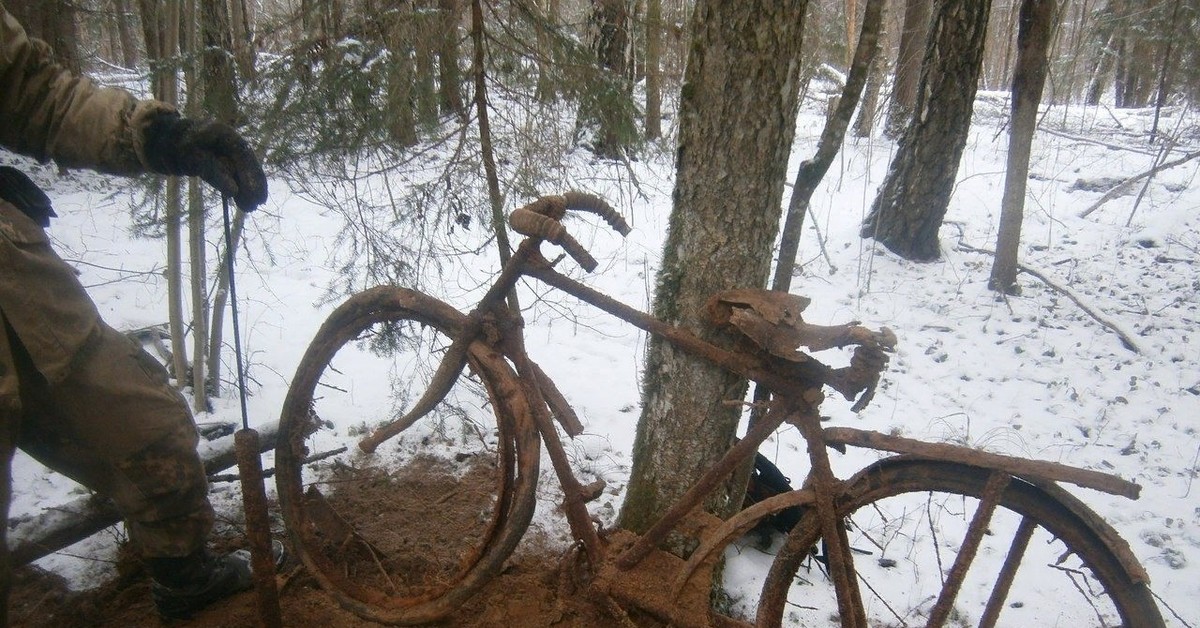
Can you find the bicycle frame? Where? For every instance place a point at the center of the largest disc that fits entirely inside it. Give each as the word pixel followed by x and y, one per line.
pixel 796 387
pixel 798 394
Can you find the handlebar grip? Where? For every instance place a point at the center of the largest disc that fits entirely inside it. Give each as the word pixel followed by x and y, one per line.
pixel 530 223
pixel 581 201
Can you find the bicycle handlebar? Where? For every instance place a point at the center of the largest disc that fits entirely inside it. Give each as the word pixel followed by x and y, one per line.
pixel 542 219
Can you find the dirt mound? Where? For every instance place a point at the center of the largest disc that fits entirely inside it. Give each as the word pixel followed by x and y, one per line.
pixel 530 591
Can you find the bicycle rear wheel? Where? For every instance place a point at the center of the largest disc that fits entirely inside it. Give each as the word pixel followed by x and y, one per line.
pixel 907 519
pixel 405 538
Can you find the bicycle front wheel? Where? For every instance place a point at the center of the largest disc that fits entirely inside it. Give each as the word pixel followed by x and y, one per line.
pixel 1045 559
pixel 403 538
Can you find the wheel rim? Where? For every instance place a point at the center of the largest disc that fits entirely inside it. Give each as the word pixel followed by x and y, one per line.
pixel 901 508
pixel 327 546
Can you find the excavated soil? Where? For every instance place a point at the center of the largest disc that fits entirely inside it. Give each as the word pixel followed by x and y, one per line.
pixel 531 591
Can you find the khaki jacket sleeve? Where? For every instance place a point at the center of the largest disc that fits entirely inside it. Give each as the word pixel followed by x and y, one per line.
pixel 48 113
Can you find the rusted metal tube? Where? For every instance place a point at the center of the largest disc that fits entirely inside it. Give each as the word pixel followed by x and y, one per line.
pixel 258 527
pixel 1016 552
pixel 992 492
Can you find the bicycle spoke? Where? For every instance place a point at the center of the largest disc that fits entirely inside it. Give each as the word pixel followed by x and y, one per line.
pixel 983 515
pixel 1004 543
pixel 1016 552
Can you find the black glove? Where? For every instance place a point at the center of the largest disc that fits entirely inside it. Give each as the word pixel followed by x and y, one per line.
pixel 25 195
pixel 209 150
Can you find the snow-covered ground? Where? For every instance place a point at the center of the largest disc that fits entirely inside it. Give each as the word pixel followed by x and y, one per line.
pixel 1031 375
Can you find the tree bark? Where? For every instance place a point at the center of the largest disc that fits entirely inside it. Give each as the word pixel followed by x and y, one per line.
pixel 913 198
pixel 220 300
pixel 151 31
pixel 166 86
pixel 737 121
pixel 1035 27
pixel 908 65
pixel 220 85
pixel 192 50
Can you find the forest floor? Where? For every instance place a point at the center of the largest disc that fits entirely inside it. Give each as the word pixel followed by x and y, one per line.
pixel 532 590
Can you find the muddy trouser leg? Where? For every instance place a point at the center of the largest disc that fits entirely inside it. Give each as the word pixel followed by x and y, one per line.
pixel 115 425
pixel 10 415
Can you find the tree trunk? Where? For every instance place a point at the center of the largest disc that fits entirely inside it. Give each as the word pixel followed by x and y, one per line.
pixel 997 49
pixel 424 39
pixel 52 21
pixel 1104 56
pixel 165 16
pixel 654 45
pixel 811 171
pixel 199 285
pixel 220 300
pixel 546 90
pixel 485 144
pixel 737 115
pixel 129 50
pixel 1164 72
pixel 243 39
pixel 449 76
pixel 192 50
pixel 908 65
pixel 864 124
pixel 913 198
pixel 151 32
pixel 1036 25
pixel 606 109
pixel 402 127
pixel 220 86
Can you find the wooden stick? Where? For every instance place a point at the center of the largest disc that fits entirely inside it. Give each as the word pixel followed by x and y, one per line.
pixel 1120 188
pixel 1126 339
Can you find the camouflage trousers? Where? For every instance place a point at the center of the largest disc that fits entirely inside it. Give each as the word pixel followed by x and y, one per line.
pixel 110 420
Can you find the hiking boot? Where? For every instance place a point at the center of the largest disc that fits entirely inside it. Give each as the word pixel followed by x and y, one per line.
pixel 181 587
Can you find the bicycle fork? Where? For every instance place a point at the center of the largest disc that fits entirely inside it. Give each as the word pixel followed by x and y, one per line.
pixel 825 485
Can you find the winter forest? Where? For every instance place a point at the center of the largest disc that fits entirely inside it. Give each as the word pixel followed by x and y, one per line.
pixel 1007 189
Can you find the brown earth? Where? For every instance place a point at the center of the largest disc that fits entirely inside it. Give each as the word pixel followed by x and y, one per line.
pixel 530 592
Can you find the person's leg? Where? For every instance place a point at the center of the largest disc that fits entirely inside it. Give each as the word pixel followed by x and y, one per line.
pixel 115 425
pixel 10 417
pixel 95 407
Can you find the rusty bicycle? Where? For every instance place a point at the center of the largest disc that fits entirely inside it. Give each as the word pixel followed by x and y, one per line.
pixel 892 544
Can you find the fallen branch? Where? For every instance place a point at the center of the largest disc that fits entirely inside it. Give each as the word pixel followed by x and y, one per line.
pixel 32 537
pixel 234 477
pixel 1126 339
pixel 1121 187
pixel 1078 138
